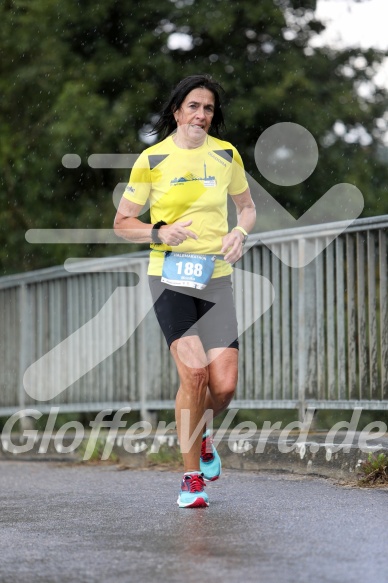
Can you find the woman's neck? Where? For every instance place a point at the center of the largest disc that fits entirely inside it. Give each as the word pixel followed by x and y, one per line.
pixel 187 142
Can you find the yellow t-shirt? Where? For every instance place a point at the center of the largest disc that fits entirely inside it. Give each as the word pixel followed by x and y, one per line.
pixel 189 184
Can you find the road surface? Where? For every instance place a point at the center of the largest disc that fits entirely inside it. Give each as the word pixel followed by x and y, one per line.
pixel 66 523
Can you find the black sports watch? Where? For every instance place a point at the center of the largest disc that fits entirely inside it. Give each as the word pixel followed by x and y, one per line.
pixel 155 233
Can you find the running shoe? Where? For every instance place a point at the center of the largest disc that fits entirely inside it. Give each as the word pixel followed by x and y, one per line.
pixel 210 462
pixel 192 494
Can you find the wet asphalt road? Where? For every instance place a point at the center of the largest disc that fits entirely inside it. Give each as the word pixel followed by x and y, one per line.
pixel 72 524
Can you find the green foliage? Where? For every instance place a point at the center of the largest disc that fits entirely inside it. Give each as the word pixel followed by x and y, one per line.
pixel 84 77
pixel 374 470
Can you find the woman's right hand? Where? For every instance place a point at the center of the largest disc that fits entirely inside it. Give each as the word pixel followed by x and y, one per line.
pixel 176 233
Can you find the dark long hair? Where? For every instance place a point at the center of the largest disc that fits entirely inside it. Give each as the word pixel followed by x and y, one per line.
pixel 166 123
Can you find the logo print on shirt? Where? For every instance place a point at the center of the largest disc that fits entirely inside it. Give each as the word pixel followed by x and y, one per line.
pixel 129 189
pixel 208 181
pixel 222 156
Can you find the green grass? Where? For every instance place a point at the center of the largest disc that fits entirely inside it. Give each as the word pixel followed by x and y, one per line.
pixel 374 470
pixel 96 453
pixel 167 456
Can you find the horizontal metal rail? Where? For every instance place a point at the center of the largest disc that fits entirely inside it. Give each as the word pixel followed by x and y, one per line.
pixel 87 333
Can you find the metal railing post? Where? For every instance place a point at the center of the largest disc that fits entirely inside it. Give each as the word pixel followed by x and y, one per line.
pixel 301 333
pixel 144 354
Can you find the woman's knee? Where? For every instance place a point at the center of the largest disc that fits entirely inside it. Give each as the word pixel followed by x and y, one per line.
pixel 191 363
pixel 195 378
pixel 227 393
pixel 224 391
pixel 188 354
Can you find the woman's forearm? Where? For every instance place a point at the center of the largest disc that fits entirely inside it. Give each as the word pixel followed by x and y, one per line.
pixel 132 229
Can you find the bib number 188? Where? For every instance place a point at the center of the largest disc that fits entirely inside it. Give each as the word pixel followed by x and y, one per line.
pixel 189 268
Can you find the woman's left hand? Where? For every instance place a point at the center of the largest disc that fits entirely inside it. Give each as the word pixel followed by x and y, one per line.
pixel 232 246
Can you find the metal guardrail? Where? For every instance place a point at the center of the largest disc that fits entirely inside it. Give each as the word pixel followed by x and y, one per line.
pixel 323 343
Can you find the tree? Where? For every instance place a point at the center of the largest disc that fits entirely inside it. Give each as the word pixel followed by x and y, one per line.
pixel 86 77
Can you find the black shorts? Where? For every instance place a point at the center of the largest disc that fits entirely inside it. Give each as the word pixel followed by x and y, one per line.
pixel 208 313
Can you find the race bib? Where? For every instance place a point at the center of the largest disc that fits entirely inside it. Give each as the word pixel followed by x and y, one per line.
pixel 187 269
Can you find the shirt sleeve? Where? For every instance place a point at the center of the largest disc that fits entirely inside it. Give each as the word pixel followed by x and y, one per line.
pixel 238 183
pixel 139 186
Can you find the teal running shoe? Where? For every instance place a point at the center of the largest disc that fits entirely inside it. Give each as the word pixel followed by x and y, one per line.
pixel 192 494
pixel 210 462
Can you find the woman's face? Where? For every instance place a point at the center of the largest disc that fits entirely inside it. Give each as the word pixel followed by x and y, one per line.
pixel 196 111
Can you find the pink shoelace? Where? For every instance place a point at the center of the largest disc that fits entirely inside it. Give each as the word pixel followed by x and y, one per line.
pixel 207 450
pixel 196 483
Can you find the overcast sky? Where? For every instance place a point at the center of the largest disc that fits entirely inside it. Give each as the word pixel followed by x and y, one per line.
pixel 357 24
pixel 352 23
